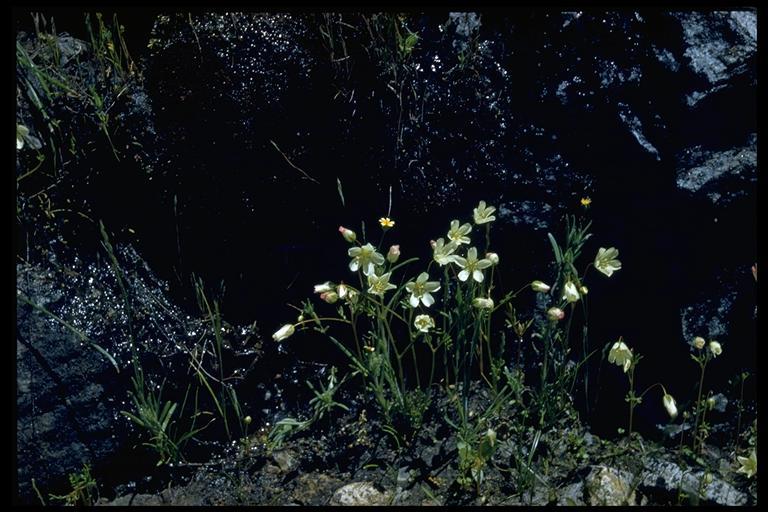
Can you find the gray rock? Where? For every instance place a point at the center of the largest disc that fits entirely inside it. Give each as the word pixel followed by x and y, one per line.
pixel 533 214
pixel 360 494
pixel 609 486
pixel 719 46
pixel 636 128
pixel 286 460
pixel 723 176
pixel 571 495
pixel 404 476
pixel 670 477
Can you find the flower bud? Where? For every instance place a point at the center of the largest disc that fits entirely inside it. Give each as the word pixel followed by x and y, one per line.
pixel 493 257
pixel 570 293
pixel 247 420
pixel 711 403
pixel 490 434
pixel 699 342
pixel 670 405
pixel 555 314
pixel 348 234
pixel 584 290
pixel 483 303
pixel 329 297
pixel 284 332
pixel 708 478
pixel 715 348
pixel 539 286
pixel 394 254
pixel 325 287
pixel 342 290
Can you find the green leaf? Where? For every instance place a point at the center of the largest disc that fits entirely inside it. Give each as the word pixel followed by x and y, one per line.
pixel 556 249
pixel 410 42
pixel 341 192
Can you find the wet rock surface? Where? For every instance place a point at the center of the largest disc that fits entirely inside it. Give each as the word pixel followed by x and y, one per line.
pixel 723 177
pixel 69 393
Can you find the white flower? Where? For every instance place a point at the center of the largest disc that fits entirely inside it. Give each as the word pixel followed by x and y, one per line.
pixel 21 133
pixel 606 261
pixel 715 348
pixel 748 464
pixel 443 253
pixel 424 323
pixel 380 284
pixel 539 286
pixel 484 214
pixel 458 233
pixel 472 266
pixel 364 257
pixel 342 290
pixel 285 331
pixel 570 293
pixel 420 290
pixel 324 287
pixel 348 234
pixel 483 303
pixel 329 297
pixel 670 405
pixel 394 254
pixel 492 257
pixel 699 342
pixel 555 314
pixel 621 355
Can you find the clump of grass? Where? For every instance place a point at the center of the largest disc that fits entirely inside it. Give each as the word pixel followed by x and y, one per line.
pixel 84 493
pixel 394 321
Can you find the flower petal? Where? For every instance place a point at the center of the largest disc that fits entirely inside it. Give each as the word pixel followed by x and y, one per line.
pixel 463 275
pixel 481 264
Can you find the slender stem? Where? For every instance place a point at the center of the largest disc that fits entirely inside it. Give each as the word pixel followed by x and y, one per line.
pixel 698 403
pixel 741 408
pixel 323 319
pixel 432 368
pixel 415 365
pixel 631 400
pixel 353 314
pixel 650 388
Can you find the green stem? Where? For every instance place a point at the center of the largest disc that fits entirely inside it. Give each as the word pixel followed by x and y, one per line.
pixel 631 400
pixel 703 366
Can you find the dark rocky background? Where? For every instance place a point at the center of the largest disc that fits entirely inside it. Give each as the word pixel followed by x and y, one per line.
pixel 651 114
